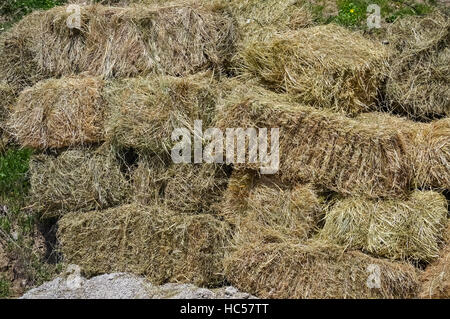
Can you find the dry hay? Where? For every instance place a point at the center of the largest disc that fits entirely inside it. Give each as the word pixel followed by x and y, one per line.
pixel 427 146
pixel 149 179
pixel 284 270
pixel 145 111
pixel 58 113
pixel 324 148
pixel 8 96
pixel 262 209
pixel 235 197
pixel 419 81
pixel 195 188
pixel 183 188
pixel 436 277
pixel 174 39
pixel 162 245
pixel 397 229
pixel 75 181
pixel 325 66
pixel 277 213
pixel 432 165
pixel 261 19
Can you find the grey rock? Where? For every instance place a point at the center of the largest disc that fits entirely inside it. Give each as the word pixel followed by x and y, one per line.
pixel 125 286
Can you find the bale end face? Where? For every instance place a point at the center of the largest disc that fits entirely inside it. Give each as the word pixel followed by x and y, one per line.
pixel 396 229
pixel 59 113
pixel 75 181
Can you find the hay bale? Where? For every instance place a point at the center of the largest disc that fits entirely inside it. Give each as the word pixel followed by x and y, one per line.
pixel 397 229
pixel 59 113
pixel 159 244
pixel 263 209
pixel 427 147
pixel 418 83
pixel 261 19
pixel 325 66
pixel 195 188
pixel 285 270
pixel 174 39
pixel 75 181
pixel 276 213
pixel 183 188
pixel 323 148
pixel 432 164
pixel 145 111
pixel 436 277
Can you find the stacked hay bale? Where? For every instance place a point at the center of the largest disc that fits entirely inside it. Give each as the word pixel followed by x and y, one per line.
pixel 143 115
pixel 397 229
pixel 418 83
pixel 276 213
pixel 325 66
pixel 260 20
pixel 173 39
pixel 427 147
pixel 163 245
pixel 59 113
pixel 76 180
pixel 436 277
pixel 321 147
pixel 103 139
pixel 145 111
pixel 341 217
pixel 316 271
pixel 375 162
